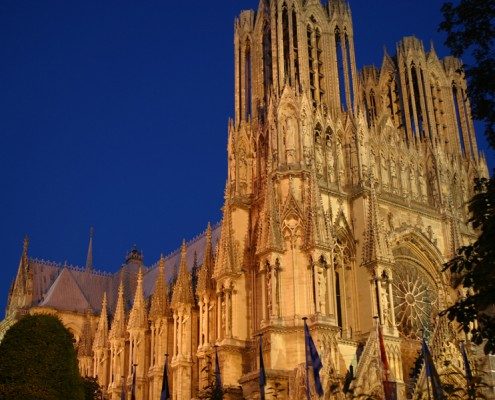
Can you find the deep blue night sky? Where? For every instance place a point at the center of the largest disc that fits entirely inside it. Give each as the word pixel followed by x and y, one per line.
pixel 113 114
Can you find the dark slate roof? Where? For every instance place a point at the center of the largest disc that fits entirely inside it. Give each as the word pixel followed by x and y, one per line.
pixel 72 288
pixel 65 294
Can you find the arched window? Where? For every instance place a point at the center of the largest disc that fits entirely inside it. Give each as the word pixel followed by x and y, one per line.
pixel 340 68
pixel 319 63
pixel 419 130
pixel 295 46
pixel 286 41
pixel 415 293
pixel 349 69
pixel 318 131
pixel 458 121
pixel 247 80
pixel 311 65
pixel 267 60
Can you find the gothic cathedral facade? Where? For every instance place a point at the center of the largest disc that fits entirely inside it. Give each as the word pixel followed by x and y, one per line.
pixel 347 190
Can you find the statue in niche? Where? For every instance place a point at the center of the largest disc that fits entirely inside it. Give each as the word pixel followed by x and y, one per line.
pixel 290 131
pixel 384 299
pixel 242 173
pixel 422 184
pixel 393 174
pixel 268 273
pixel 403 177
pixel 433 189
pixel 330 164
pixel 413 181
pixel 223 312
pixel 275 283
pixel 306 139
pixel 318 157
pixel 340 163
pixel 384 168
pixel 322 288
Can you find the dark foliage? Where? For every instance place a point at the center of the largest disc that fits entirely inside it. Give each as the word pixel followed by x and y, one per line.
pixel 92 390
pixel 38 361
pixel 474 269
pixel 470 32
pixel 470 27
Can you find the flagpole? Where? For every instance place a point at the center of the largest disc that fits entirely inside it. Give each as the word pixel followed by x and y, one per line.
pixel 308 395
pixel 262 373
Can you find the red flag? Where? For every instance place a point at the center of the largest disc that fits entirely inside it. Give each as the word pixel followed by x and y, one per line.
pixel 389 387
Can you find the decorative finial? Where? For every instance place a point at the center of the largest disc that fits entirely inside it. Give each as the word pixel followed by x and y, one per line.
pixel 25 245
pixel 89 257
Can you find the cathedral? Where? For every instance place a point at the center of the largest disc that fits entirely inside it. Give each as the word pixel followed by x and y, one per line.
pixel 346 191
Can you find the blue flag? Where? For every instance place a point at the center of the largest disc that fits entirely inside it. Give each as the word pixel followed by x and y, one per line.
pixel 432 374
pixel 165 395
pixel 218 376
pixel 312 360
pixel 262 377
pixel 133 388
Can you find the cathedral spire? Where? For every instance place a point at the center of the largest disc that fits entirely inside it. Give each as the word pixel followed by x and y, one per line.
pixel 183 287
pixel 89 257
pixel 317 232
pixel 159 301
pixel 226 260
pixel 206 272
pixel 375 247
pixel 269 237
pixel 101 335
pixel 118 323
pixel 138 317
pixel 85 348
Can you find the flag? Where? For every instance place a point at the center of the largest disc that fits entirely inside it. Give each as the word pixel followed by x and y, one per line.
pixel 467 366
pixel 432 374
pixel 312 360
pixel 218 376
pixel 122 393
pixel 389 387
pixel 262 377
pixel 133 388
pixel 165 395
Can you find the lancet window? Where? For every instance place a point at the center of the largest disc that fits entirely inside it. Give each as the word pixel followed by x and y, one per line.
pixel 462 120
pixel 344 278
pixel 295 46
pixel 286 42
pixel 370 104
pixel 247 80
pixel 315 62
pixel 267 61
pixel 436 96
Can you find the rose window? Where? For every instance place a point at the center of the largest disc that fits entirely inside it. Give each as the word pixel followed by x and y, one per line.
pixel 415 300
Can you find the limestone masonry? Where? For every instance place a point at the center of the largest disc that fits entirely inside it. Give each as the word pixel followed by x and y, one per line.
pixel 346 193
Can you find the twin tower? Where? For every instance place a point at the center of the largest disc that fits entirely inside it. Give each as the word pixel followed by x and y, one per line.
pixel 346 192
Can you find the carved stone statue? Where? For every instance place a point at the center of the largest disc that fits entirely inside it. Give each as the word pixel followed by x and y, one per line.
pixel 290 132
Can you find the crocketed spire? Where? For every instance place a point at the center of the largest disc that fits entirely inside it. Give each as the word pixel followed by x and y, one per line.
pixel 183 287
pixel 269 235
pixel 205 274
pixel 101 336
pixel 159 301
pixel 138 317
pixel 84 347
pixel 118 324
pixel 375 247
